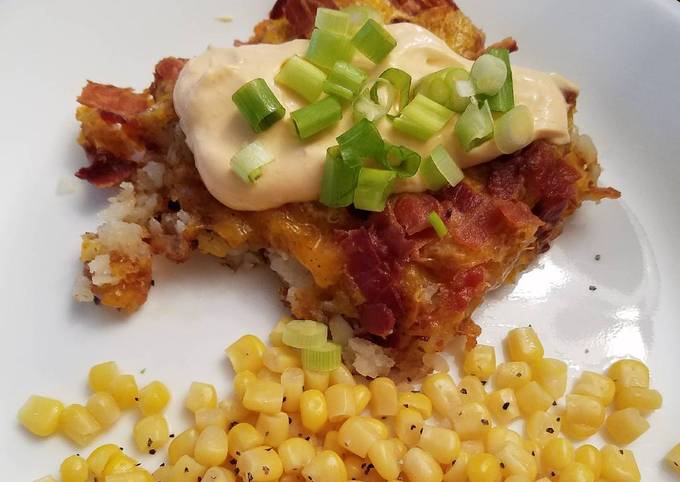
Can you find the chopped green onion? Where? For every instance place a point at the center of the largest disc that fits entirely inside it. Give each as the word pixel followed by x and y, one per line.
pixel 374 41
pixel 323 358
pixel 247 163
pixel 431 175
pixel 258 104
pixel 458 101
pixel 446 166
pixel 464 89
pixel 362 141
pixel 504 100
pixel 440 86
pixel 316 117
pixel 373 188
pixel 488 74
pixel 358 14
pixel 437 224
pixel 373 107
pixel 400 80
pixel 402 160
pixel 514 130
pixel 332 20
pixel 302 77
pixel 474 126
pixel 344 80
pixel 325 48
pixel 422 117
pixel 304 334
pixel 339 179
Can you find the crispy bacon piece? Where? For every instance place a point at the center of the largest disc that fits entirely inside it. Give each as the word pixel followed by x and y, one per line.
pixel 414 7
pixel 106 170
pixel 300 14
pixel 116 100
pixel 411 211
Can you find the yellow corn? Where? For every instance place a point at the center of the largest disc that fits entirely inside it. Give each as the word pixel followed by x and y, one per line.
pixel 234 410
pixel 421 466
pixel 124 390
pixel 99 457
pixel 524 345
pixel 551 374
pixel 295 453
pixel 458 470
pixel 330 442
pixel 498 437
pixel 442 391
pixel 384 397
pixel 629 373
pixel 518 478
pixel 557 454
pixel 619 465
pixel 74 469
pixel 153 398
pixel 512 375
pixel 119 463
pixel 186 470
pixel 471 389
pixel 383 457
pixel 242 380
pixel 264 396
pixel 484 468
pixel 103 408
pixel 443 444
pixel 218 474
pixel 625 426
pixel 242 437
pixel 503 405
pixel 205 417
pixel 408 425
pixel 673 458
pixel 265 373
pixel 533 398
pixel 278 358
pixel 201 395
pixel 182 444
pixel 418 401
pixel 471 421
pixel 591 458
pixel 134 475
pixel 342 374
pixel 362 396
pixel 326 466
pixel 273 427
pixel 577 472
pixel 293 382
pixel 480 362
pixel 641 398
pixel 340 402
pixel 260 464
pixel 515 460
pixel 276 335
pixel 313 410
pixel 164 474
pixel 101 376
pixel 151 433
pixel 78 424
pixel 291 478
pixel 357 434
pixel 40 415
pixel 597 386
pixel 316 380
pixel 542 426
pixel 583 417
pixel 212 446
pixel 246 353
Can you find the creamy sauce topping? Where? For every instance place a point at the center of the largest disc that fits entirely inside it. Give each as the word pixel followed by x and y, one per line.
pixel 215 129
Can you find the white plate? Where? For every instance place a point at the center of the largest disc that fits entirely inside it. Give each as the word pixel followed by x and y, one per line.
pixel 622 53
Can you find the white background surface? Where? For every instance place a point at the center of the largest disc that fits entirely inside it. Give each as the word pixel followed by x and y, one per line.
pixel 623 53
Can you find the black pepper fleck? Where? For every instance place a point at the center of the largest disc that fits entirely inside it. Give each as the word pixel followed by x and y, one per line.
pixel 506 405
pixel 592 287
pixel 96 300
pixel 550 430
pixel 597 257
pixel 463 391
pixel 484 421
pixel 152 452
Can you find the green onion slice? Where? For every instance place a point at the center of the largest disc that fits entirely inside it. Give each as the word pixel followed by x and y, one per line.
pixel 305 334
pixel 374 41
pixel 474 126
pixel 402 160
pixel 422 118
pixel 373 188
pixel 400 80
pixel 332 20
pixel 374 107
pixel 323 358
pixel 359 14
pixel 302 77
pixel 488 74
pixel 362 141
pixel 247 163
pixel 437 224
pixel 459 100
pixel 514 130
pixel 440 86
pixel 258 104
pixel 316 117
pixel 339 179
pixel 344 80
pixel 504 100
pixel 325 48
pixel 446 166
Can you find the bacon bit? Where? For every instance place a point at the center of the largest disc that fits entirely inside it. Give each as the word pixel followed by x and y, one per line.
pixel 106 170
pixel 300 14
pixel 116 100
pixel 168 69
pixel 411 211
pixel 507 43
pixel 415 7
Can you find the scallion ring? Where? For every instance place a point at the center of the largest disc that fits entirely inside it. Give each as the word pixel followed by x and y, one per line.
pixel 373 188
pixel 402 160
pixel 316 117
pixel 488 74
pixel 362 141
pixel 302 77
pixel 258 104
pixel 422 118
pixel 374 41
pixel 326 47
pixel 332 20
pixel 339 179
pixel 248 162
pixel 401 81
pixel 504 100
pixel 514 130
pixel 359 14
pixel 344 80
pixel 474 126
pixel 437 224
pixel 374 107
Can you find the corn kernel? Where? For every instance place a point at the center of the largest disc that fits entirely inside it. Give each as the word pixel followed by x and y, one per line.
pixel 480 362
pixel 164 474
pixel 442 391
pixel 78 424
pixel 355 467
pixel 418 401
pixel 673 458
pixel 533 398
pixel 246 353
pixel 218 474
pixel 293 381
pixel 551 374
pixel 619 465
pixel 515 460
pixel 384 397
pixel 458 470
pixel 342 374
pixel 74 469
pixel 278 358
pixel 442 443
pixel 583 417
pixel 518 478
pixel 187 470
pixel 151 433
pixel 242 437
pixel 471 421
pixel 340 402
pixel 577 472
pixel 503 405
pixel 317 380
pixel 383 457
pixel 484 468
pixel 242 380
pixel 119 463
pixel 629 373
pixel 201 395
pixel 357 434
pixel 295 453
pixel 408 424
pixel 326 466
pixel 276 335
pixel 313 410
pixel 101 376
pixel 498 437
pixel 212 446
pixel 273 427
pixel 557 454
pixel 134 475
pixel 99 457
pixel 205 417
pixel 541 427
pixel 471 389
pixel 512 375
pixel 124 390
pixel 362 397
pixel 103 408
pixel 234 410
pixel 331 442
pixel 643 399
pixel 265 373
pixel 40 415
pixel 524 345
pixel 625 426
pixel 183 444
pixel 421 466
pixel 591 458
pixel 596 386
pixel 472 447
